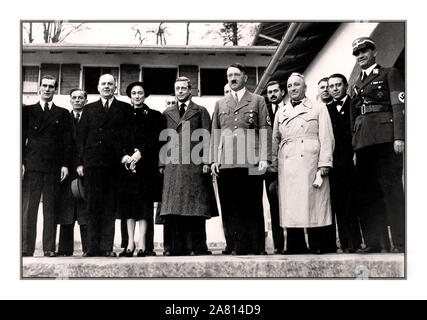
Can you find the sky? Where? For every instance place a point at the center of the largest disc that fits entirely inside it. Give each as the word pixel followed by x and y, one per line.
pixel 123 33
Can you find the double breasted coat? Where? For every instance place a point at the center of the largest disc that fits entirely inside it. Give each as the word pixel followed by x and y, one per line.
pixel 303 141
pixel 186 190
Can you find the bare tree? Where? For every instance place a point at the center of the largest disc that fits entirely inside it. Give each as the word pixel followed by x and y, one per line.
pixel 160 32
pixel 229 32
pixel 58 31
pixel 188 33
pixel 138 34
pixel 28 27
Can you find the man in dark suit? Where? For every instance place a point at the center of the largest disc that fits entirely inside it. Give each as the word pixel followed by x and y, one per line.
pixel 341 176
pixel 377 122
pixel 100 150
pixel 275 95
pixel 240 153
pixel 71 208
pixel 46 147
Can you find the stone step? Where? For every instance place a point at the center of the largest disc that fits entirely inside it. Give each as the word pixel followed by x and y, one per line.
pixel 355 266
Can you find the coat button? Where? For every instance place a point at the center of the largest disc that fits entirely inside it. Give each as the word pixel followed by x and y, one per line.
pixel 236 112
pixel 100 129
pixel 235 127
pixel 235 119
pixel 99 141
pixel 302 156
pixel 302 141
pixel 235 134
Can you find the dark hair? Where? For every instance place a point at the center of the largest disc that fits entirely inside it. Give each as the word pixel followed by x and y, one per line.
pixel 341 76
pixel 274 82
pixel 239 66
pixel 77 89
pixel 323 79
pixel 49 77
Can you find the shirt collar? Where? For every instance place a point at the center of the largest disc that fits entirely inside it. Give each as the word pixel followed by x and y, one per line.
pixel 186 104
pixel 43 102
pixel 77 111
pixel 369 70
pixel 110 101
pixel 342 99
pixel 240 93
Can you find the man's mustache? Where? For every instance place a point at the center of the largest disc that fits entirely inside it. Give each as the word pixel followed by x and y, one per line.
pixel 233 81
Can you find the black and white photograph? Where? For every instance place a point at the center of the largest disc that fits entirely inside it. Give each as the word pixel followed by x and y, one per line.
pixel 182 150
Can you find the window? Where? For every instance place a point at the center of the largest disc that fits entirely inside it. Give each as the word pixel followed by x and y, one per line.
pixel 91 77
pixel 212 82
pixel 70 77
pixel 30 78
pixel 160 80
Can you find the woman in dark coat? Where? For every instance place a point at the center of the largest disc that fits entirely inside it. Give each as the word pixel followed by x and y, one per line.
pixel 139 181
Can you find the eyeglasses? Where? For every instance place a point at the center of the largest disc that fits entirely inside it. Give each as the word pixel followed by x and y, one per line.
pixel 171 102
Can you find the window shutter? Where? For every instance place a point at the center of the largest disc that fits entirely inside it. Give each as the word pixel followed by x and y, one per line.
pixel 70 77
pixel 192 73
pixel 128 73
pixel 30 79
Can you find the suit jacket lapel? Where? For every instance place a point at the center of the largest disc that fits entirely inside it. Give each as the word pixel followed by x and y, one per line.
pixel 246 99
pixel 230 101
pixel 191 111
pixel 371 77
pixel 50 117
pixel 299 109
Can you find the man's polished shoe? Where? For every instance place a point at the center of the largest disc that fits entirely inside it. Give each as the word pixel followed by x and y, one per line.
pixel 226 251
pixel 276 251
pixel 89 254
pixel 150 253
pixel 110 254
pixel 50 254
pixel 167 253
pixel 291 252
pixel 260 253
pixel 397 250
pixel 371 250
pixel 238 253
pixel 123 253
pixel 24 254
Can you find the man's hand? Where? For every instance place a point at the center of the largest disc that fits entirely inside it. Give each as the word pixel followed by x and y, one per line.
pixel 64 173
pixel 206 168
pixel 126 159
pixel 80 171
pixel 262 166
pixel 399 146
pixel 354 159
pixel 136 156
pixel 161 170
pixel 324 171
pixel 215 169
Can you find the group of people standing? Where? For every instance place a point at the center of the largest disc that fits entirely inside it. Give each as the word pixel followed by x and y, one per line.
pixel 303 150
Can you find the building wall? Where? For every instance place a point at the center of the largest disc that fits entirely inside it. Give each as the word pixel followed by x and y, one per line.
pixel 336 56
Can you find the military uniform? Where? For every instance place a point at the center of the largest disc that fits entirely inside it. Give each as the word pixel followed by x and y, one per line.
pixel 377 120
pixel 238 145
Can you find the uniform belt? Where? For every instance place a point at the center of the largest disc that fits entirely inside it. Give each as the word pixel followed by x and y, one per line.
pixel 369 108
pixel 313 136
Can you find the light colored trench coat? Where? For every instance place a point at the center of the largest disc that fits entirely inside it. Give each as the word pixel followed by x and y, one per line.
pixel 303 141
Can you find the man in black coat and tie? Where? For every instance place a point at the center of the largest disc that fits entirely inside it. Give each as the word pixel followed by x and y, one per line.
pixel 342 174
pixel 275 95
pixel 100 150
pixel 45 160
pixel 71 208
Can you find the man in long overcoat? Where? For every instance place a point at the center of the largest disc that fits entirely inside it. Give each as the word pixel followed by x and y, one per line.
pixel 303 144
pixel 188 198
pixel 100 150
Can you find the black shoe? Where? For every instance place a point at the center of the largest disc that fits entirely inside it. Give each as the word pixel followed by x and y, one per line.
pixel 371 250
pixel 238 253
pixel 50 254
pixel 291 252
pixel 260 253
pixel 129 253
pixel 276 251
pixel 150 253
pixel 110 254
pixel 167 253
pixel 226 251
pixel 91 254
pixel 141 253
pixel 200 253
pixel 123 253
pixel 24 254
pixel 397 250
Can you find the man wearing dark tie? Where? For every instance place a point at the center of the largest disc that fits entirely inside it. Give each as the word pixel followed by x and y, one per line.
pixel 45 160
pixel 342 174
pixel 275 95
pixel 100 150
pixel 378 138
pixel 71 208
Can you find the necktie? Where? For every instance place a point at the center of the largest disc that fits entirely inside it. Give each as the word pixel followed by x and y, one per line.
pixel 46 107
pixel 181 109
pixel 363 77
pixel 295 103
pixel 77 117
pixel 275 107
pixel 106 105
pixel 236 97
pixel 339 105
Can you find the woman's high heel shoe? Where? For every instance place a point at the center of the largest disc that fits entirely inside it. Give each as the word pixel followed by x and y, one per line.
pixel 129 253
pixel 141 253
